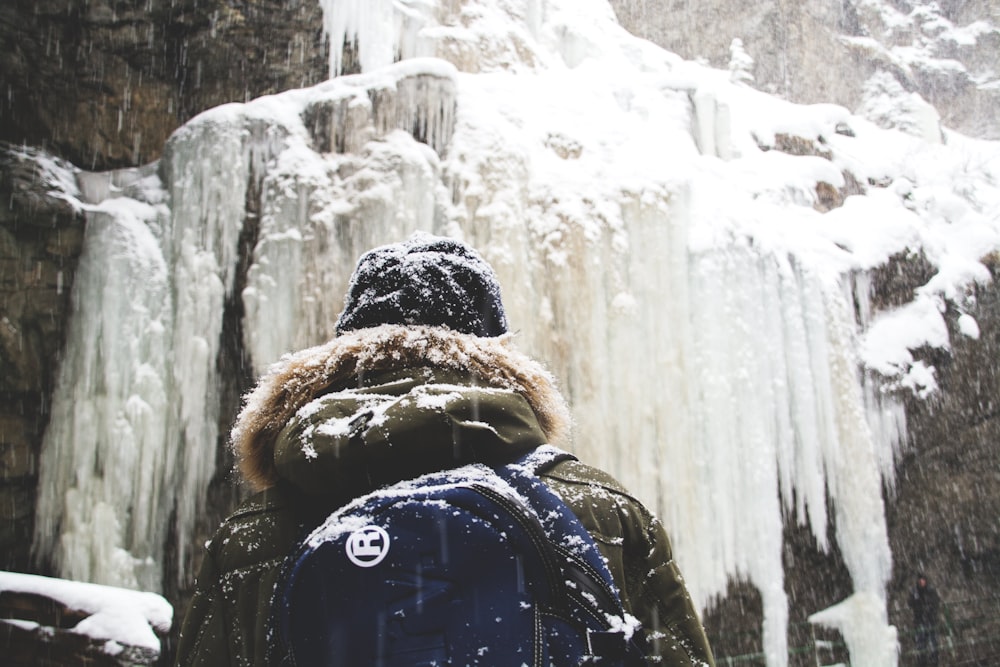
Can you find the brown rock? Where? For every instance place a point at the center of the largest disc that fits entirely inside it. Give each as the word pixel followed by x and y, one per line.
pixel 41 237
pixel 104 82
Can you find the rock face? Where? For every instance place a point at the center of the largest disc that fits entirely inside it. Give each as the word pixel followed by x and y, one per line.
pixel 103 83
pixel 943 516
pixel 45 617
pixel 41 236
pixel 827 52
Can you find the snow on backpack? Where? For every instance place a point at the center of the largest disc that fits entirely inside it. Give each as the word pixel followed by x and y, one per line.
pixel 472 566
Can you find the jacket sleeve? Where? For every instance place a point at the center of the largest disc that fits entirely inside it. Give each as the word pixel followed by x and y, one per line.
pixel 660 600
pixel 640 558
pixel 203 639
pixel 228 619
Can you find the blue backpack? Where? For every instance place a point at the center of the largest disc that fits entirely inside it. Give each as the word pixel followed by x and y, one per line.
pixel 471 566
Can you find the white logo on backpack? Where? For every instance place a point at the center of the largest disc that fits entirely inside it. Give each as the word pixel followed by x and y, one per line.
pixel 366 547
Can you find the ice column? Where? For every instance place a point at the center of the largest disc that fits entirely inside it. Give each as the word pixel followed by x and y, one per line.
pixel 106 469
pixel 133 436
pixel 778 415
pixel 209 167
pixel 378 31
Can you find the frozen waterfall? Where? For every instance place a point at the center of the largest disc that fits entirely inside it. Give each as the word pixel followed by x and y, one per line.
pixel 107 467
pixel 703 317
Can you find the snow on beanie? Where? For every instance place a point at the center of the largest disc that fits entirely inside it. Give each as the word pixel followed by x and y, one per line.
pixel 429 280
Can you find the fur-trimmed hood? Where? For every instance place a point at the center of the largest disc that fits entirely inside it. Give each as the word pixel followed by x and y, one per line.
pixel 350 360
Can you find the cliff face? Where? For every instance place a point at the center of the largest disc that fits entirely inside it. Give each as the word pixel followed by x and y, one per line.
pixel 103 83
pixel 41 236
pixel 943 517
pixel 813 52
pixel 941 514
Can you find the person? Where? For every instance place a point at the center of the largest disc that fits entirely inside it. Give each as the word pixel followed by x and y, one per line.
pixel 421 376
pixel 924 603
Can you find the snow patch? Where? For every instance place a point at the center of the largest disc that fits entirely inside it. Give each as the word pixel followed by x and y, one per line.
pixel 123 617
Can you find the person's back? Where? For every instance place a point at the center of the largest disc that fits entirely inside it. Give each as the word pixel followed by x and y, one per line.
pixel 420 378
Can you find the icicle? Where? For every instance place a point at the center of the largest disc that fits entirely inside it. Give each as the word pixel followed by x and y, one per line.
pixel 426 107
pixel 200 242
pixel 731 398
pixel 377 32
pixel 884 411
pixel 362 24
pixel 857 465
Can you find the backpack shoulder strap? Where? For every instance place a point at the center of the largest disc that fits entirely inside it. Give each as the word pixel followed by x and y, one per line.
pixel 586 571
pixel 562 527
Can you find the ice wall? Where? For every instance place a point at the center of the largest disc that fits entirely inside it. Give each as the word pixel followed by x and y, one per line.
pixel 133 439
pixel 105 468
pixel 131 446
pixel 654 250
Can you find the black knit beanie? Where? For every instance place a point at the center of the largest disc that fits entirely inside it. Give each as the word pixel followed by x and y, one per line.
pixel 428 280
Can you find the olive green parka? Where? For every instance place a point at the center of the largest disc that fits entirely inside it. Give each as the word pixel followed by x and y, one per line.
pixel 376 406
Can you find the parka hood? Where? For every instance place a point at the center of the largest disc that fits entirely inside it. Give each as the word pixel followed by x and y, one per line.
pixel 376 405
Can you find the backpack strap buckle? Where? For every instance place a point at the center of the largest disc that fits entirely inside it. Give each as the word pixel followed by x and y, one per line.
pixel 610 644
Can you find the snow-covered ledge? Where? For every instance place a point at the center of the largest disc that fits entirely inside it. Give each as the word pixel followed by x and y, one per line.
pixel 81 618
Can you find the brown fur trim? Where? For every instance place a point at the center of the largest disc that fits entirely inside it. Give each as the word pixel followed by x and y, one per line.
pixel 300 377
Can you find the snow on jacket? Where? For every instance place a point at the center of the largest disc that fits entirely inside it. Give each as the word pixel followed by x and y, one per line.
pixel 376 406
